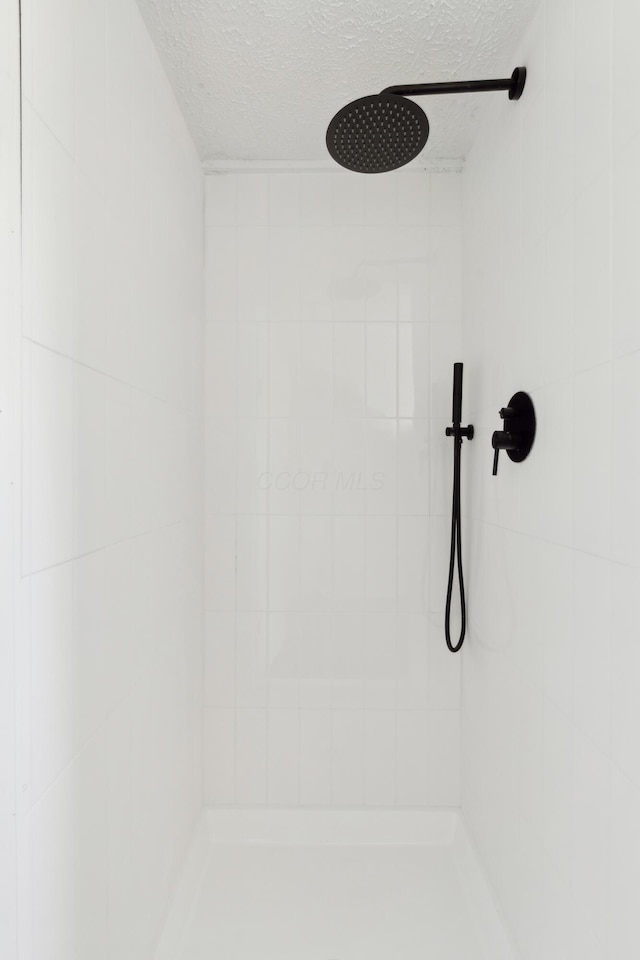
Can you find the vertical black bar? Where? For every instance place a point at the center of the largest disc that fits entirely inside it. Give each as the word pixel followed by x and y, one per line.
pixel 455 86
pixel 457 393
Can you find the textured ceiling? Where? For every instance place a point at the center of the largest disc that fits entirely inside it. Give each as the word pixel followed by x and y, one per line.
pixel 259 80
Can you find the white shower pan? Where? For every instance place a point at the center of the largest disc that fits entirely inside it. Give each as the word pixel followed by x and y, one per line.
pixel 332 885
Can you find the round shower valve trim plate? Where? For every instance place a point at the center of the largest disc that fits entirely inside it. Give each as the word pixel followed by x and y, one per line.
pixel 519 430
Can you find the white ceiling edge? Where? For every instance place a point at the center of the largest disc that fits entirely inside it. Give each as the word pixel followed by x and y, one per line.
pixel 430 165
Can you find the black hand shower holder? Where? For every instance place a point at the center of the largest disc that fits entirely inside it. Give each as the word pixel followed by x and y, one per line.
pixel 458 433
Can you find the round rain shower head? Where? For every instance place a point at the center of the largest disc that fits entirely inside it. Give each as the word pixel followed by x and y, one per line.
pixel 385 131
pixel 378 133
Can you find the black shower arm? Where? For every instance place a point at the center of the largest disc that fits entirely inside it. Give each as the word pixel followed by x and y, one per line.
pixel 463 86
pixel 514 84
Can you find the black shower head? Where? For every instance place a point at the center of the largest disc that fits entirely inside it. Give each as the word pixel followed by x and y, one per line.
pixel 378 133
pixel 384 131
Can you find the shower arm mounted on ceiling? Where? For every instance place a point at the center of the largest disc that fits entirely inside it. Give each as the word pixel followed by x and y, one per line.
pixel 514 84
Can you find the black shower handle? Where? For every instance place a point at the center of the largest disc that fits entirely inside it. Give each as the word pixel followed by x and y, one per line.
pixel 503 440
pixel 520 430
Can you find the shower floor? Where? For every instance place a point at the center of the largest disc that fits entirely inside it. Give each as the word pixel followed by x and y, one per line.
pixel 340 896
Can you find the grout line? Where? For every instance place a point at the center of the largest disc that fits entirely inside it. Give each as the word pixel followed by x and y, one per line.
pixel 107 546
pixel 397 533
pixel 208 760
pixel 332 548
pixel 610 712
pixel 183 409
pixel 232 167
pixel 267 529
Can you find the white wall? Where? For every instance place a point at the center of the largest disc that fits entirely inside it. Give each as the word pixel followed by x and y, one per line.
pixel 551 672
pixel 333 311
pixel 9 455
pixel 111 596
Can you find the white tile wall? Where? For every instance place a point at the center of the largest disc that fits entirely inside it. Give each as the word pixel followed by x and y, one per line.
pixel 550 721
pixel 9 467
pixel 333 309
pixel 111 594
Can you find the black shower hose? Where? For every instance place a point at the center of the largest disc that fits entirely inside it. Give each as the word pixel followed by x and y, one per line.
pixel 456 548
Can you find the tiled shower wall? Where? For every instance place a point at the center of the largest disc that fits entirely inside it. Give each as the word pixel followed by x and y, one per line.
pixel 551 670
pixel 333 319
pixel 111 593
pixel 9 455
